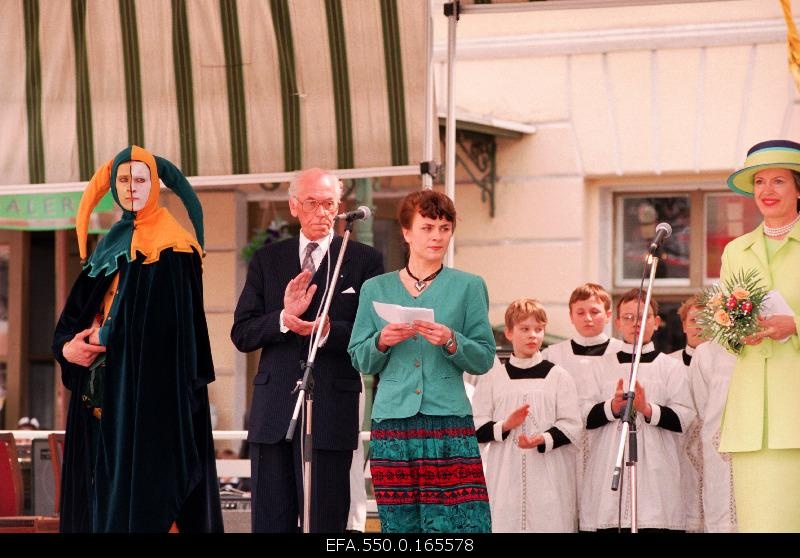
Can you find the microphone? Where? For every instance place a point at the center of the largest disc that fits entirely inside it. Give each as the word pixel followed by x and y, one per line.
pixel 663 232
pixel 362 212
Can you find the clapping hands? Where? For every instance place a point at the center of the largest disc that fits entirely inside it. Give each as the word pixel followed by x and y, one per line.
pixel 640 403
pixel 296 300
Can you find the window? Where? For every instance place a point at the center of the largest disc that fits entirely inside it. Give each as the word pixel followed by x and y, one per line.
pixel 702 221
pixel 726 217
pixel 687 259
pixel 637 219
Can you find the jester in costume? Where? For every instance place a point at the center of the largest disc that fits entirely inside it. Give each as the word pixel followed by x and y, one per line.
pixel 134 351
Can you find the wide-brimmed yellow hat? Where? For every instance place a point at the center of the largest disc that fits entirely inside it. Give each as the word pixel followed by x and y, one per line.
pixel 773 154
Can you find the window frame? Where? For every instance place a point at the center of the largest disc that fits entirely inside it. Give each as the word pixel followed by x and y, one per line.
pixel 618 241
pixel 607 192
pixel 603 192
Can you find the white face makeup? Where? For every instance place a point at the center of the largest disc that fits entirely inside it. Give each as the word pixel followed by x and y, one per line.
pixel 133 185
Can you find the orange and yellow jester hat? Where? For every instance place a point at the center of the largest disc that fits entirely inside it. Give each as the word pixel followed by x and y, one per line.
pixel 148 231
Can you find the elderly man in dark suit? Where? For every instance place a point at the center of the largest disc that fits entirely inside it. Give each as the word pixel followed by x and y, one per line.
pixel 276 312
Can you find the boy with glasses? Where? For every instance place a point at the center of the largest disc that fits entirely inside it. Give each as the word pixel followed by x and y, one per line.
pixel 664 410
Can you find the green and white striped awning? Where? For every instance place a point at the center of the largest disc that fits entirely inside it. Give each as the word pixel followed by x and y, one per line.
pixel 220 87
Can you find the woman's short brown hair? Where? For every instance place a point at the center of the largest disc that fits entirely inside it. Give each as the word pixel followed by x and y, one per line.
pixel 428 203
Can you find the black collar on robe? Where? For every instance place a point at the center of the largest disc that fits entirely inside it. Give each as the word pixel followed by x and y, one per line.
pixel 624 357
pixel 589 350
pixel 687 358
pixel 536 372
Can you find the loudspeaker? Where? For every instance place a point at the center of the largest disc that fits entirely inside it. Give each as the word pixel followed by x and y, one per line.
pixel 43 486
pixel 236 513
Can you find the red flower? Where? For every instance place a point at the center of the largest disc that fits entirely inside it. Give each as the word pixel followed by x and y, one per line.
pixel 747 306
pixel 732 302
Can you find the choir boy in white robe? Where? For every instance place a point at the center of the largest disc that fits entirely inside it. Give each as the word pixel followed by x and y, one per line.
pixel 526 413
pixel 689 312
pixel 692 457
pixel 709 374
pixel 589 312
pixel 664 410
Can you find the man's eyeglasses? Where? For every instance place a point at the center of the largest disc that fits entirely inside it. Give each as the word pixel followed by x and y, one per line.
pixel 311 205
pixel 630 318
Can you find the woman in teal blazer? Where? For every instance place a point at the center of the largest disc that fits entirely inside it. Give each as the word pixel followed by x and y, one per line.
pixel 425 463
pixel 761 424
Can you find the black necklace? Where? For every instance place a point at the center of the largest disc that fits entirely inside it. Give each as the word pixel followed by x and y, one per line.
pixel 422 283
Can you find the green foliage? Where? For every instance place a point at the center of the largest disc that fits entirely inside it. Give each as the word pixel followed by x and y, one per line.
pixel 277 230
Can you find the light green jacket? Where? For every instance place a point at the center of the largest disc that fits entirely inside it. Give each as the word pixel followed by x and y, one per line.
pixel 415 376
pixel 767 376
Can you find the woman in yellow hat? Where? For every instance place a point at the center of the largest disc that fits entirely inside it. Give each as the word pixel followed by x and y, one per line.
pixel 762 415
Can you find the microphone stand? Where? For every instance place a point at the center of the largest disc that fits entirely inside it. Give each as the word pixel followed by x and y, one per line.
pixel 628 421
pixel 304 388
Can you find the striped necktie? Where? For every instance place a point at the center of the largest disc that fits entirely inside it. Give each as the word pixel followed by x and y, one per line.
pixel 308 261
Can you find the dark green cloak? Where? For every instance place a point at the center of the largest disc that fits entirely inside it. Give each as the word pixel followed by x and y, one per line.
pixel 150 460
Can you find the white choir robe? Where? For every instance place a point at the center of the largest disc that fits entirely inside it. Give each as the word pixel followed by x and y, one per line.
pixel 709 375
pixel 582 369
pixel 691 463
pixel 529 491
pixel 660 502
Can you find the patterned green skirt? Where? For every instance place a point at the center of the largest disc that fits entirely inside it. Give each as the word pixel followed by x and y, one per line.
pixel 428 475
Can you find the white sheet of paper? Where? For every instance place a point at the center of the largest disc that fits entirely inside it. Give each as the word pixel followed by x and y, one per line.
pixel 396 314
pixel 775 305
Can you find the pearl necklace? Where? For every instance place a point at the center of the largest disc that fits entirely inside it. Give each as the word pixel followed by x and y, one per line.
pixel 778 232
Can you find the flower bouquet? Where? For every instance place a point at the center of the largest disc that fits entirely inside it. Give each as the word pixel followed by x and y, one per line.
pixel 729 311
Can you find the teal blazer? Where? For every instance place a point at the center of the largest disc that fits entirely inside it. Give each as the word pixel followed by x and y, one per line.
pixel 415 376
pixel 764 393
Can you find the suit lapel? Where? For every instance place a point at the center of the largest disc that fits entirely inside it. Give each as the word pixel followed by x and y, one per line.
pixel 288 261
pixel 333 254
pixel 319 276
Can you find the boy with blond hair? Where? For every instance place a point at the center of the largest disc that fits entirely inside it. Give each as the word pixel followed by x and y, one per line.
pixel 688 312
pixel 526 413
pixel 590 313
